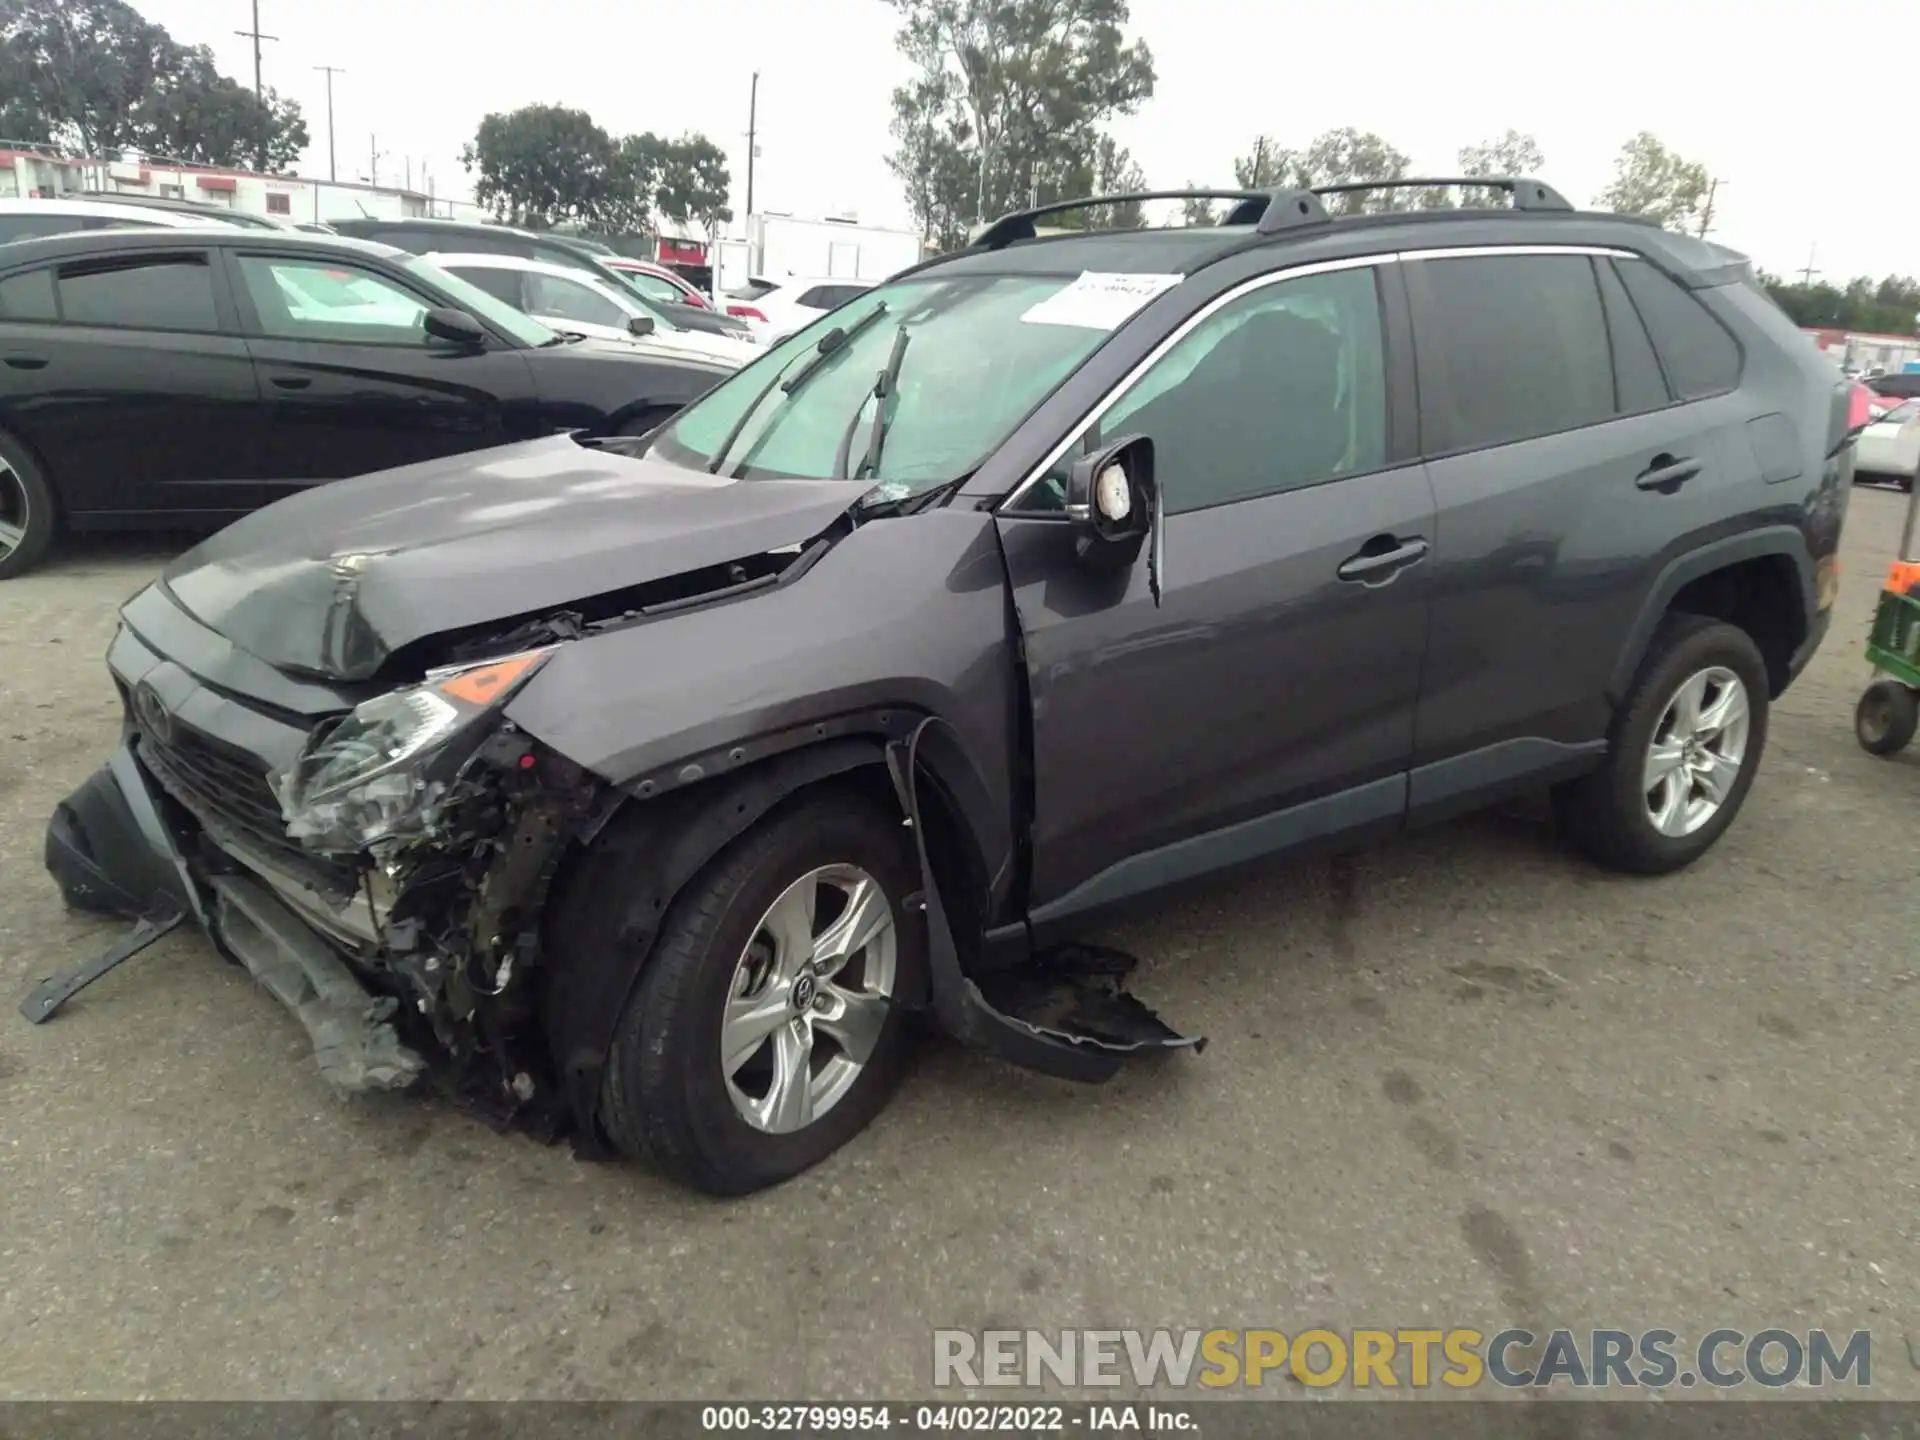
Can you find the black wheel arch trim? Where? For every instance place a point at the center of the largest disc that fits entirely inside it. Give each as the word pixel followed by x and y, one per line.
pixel 1784 542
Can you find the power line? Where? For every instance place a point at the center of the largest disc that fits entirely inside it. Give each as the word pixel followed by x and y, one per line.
pixel 259 93
pixel 332 70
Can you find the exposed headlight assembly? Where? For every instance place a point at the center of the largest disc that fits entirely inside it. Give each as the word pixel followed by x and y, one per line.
pixel 381 771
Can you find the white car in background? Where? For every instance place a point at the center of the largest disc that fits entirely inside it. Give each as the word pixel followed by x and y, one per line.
pixel 775 308
pixel 30 219
pixel 577 302
pixel 1890 446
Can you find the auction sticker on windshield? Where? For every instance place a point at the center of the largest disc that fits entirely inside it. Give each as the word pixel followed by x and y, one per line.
pixel 1099 301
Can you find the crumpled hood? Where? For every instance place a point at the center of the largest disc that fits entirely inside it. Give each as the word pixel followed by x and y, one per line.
pixel 332 581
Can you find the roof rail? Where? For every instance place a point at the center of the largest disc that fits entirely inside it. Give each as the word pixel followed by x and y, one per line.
pixel 1527 194
pixel 1269 211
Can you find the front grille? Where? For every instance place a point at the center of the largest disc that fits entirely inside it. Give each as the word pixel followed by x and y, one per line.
pixel 230 796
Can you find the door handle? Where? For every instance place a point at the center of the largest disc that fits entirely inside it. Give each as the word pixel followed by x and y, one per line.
pixel 27 362
pixel 1381 558
pixel 1667 473
pixel 291 382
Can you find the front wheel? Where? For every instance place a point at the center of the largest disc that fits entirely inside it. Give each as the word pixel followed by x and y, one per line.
pixel 1682 754
pixel 765 1031
pixel 29 518
pixel 1886 717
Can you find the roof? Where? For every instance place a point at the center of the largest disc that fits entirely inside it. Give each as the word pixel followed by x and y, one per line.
pixel 495 261
pixel 95 242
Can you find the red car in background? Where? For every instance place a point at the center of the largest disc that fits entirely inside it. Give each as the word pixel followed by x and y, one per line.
pixel 657 282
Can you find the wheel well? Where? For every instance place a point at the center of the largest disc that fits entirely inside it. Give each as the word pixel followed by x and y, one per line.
pixel 1761 596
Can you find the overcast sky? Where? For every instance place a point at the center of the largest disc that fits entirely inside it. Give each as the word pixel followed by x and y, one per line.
pixel 1724 83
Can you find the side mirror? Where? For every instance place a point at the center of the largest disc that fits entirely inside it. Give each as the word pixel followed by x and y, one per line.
pixel 456 327
pixel 1111 500
pixel 640 325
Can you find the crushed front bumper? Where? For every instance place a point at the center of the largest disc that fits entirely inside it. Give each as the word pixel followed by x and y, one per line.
pixel 112 850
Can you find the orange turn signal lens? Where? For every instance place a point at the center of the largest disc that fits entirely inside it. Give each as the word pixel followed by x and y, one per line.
pixel 485 684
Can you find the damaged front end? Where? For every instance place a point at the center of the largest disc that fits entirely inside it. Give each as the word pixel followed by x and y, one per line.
pixel 453 823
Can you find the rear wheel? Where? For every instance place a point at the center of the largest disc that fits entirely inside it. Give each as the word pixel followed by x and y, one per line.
pixel 1682 754
pixel 29 518
pixel 763 1034
pixel 1886 717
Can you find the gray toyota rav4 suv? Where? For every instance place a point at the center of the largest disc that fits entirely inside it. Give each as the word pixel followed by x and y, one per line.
pixel 646 789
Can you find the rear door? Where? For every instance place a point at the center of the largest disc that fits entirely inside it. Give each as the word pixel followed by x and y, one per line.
pixel 1569 463
pixel 351 379
pixel 127 376
pixel 1266 698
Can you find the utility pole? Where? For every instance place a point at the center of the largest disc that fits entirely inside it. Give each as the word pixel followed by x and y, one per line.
pixel 1807 272
pixel 1706 214
pixel 259 93
pixel 753 147
pixel 374 153
pixel 332 70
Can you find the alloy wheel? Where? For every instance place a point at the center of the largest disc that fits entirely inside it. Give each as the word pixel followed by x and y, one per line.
pixel 13 510
pixel 1694 758
pixel 809 997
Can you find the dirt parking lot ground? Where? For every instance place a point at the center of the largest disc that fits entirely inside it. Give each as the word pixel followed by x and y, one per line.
pixel 1464 1080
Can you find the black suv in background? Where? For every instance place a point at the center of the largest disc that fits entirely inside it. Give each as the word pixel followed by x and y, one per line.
pixel 457 237
pixel 1104 561
pixel 180 378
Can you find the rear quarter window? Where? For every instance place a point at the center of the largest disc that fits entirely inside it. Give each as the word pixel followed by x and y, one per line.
pixel 1699 355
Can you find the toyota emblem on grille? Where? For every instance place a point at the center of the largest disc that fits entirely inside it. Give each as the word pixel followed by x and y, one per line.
pixel 151 711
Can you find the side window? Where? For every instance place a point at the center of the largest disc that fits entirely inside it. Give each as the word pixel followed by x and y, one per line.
pixel 1636 370
pixel 1700 357
pixel 28 297
pixel 653 287
pixel 816 297
pixel 503 285
pixel 1282 388
pixel 568 300
pixel 1511 347
pixel 324 300
pixel 152 292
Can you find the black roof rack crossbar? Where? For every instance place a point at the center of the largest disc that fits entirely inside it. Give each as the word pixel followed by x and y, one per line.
pixel 1270 211
pixel 1250 207
pixel 1527 194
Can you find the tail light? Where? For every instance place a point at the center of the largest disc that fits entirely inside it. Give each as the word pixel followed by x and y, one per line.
pixel 746 312
pixel 1859 409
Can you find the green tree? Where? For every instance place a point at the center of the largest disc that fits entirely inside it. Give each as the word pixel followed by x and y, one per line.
pixel 1197 212
pixel 1512 153
pixel 1008 103
pixel 1885 307
pixel 95 77
pixel 1335 157
pixel 693 184
pixel 626 208
pixel 1650 180
pixel 541 165
pixel 196 114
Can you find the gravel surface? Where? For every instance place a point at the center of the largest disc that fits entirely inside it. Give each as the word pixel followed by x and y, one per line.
pixel 1462 1080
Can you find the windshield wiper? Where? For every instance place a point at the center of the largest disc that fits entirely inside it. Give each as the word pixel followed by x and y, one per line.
pixel 830 345
pixel 883 386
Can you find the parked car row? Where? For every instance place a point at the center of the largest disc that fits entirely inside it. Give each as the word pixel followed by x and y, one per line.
pixel 183 376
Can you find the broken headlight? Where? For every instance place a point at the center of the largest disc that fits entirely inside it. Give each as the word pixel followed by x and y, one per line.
pixel 381 771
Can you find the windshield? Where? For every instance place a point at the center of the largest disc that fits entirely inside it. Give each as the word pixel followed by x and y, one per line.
pixel 642 303
pixel 977 360
pixel 475 301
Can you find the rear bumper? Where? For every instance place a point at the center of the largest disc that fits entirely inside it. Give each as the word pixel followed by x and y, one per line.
pixel 110 849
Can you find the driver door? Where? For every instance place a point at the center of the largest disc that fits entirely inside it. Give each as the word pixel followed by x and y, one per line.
pixel 1265 699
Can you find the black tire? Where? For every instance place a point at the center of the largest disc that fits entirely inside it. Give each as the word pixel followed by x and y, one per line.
pixel 665 1099
pixel 1886 717
pixel 24 488
pixel 1605 812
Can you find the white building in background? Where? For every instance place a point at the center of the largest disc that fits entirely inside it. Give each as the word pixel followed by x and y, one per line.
pixel 28 173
